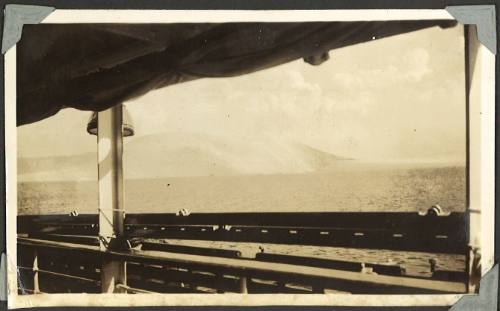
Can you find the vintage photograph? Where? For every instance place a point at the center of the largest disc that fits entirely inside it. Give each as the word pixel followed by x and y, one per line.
pixel 252 158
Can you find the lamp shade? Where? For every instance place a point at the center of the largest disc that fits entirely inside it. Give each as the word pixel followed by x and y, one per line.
pixel 127 127
pixel 317 59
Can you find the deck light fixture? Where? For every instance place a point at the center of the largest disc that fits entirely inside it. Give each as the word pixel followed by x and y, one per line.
pixel 128 128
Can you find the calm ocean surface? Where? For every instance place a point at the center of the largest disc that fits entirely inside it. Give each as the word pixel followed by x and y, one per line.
pixel 387 189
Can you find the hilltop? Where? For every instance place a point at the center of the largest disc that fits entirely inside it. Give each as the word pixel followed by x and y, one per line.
pixel 176 154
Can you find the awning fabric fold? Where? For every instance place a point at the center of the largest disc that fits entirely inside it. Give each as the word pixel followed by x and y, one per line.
pixel 96 66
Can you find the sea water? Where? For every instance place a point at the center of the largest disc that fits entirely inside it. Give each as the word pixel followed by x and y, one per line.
pixel 389 189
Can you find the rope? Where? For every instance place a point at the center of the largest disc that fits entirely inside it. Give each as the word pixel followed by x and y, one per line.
pixel 112 209
pixel 134 290
pixel 24 290
pixel 101 212
pixel 105 217
pixel 60 274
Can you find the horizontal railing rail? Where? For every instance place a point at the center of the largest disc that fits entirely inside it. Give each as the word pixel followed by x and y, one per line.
pixel 164 271
pixel 396 231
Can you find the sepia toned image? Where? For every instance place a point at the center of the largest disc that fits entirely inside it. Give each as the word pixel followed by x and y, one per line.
pixel 245 157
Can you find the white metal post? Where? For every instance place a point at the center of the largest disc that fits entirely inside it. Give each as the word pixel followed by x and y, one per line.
pixel 111 212
pixel 481 152
pixel 36 277
pixel 243 285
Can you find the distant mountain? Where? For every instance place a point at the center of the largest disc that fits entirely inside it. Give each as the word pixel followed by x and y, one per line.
pixel 318 159
pixel 175 154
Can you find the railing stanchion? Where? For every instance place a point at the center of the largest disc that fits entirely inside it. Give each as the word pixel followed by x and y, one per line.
pixel 243 285
pixel 36 284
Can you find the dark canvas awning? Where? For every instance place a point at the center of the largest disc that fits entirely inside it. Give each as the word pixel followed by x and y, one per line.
pixel 96 66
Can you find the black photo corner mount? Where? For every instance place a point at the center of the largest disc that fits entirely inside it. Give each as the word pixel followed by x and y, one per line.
pixel 483 16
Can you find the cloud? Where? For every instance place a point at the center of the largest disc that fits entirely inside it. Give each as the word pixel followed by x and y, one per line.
pixel 297 82
pixel 418 63
pixel 365 102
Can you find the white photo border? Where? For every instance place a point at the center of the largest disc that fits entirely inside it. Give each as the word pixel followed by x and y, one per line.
pixel 482 114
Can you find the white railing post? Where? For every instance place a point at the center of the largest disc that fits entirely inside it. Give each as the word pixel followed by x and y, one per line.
pixel 243 285
pixel 36 281
pixel 111 212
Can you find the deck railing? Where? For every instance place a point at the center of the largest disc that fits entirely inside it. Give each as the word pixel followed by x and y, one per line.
pixel 398 231
pixel 60 253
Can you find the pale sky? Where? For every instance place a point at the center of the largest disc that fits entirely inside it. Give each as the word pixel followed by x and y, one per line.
pixel 398 98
